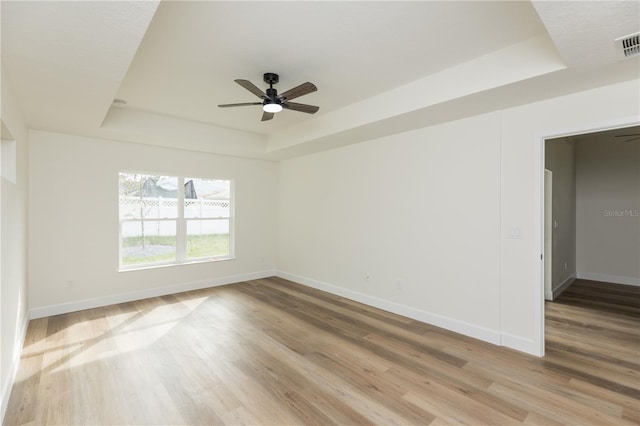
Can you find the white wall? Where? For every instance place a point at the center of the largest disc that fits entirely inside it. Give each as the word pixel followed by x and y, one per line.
pixel 74 186
pixel 608 210
pixel 560 159
pixel 435 208
pixel 13 245
pixel 421 207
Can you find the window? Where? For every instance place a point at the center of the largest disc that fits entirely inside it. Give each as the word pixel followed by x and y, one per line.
pixel 172 219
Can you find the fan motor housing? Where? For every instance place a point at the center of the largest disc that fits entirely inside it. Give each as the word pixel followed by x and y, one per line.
pixel 272 94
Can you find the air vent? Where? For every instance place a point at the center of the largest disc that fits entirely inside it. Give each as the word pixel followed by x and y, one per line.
pixel 628 46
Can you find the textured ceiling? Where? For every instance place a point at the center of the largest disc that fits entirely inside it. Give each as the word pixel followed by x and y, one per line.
pixel 584 31
pixel 380 67
pixel 66 60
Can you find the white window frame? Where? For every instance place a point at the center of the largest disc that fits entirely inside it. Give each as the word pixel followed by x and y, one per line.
pixel 181 226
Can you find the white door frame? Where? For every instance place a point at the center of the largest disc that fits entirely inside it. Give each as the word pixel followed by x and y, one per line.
pixel 538 205
pixel 548 234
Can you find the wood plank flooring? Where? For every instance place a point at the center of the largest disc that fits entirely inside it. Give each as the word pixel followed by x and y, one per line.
pixel 272 352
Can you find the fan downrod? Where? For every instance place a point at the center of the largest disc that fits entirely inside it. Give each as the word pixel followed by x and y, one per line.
pixel 271 78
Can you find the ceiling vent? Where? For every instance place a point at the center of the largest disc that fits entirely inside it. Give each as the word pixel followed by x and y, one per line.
pixel 628 46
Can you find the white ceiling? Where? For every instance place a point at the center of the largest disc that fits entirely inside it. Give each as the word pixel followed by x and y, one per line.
pixel 192 52
pixel 623 135
pixel 377 65
pixel 584 31
pixel 66 60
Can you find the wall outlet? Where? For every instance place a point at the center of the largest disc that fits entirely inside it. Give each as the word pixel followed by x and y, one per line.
pixel 70 283
pixel 399 285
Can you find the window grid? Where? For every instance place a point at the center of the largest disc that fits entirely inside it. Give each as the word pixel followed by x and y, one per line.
pixel 202 224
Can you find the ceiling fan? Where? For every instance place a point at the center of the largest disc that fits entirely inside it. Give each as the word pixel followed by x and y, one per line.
pixel 633 136
pixel 272 102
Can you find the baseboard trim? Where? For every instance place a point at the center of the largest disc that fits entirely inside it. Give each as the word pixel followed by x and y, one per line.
pixel 563 286
pixel 461 327
pixel 13 369
pixel 520 344
pixel 80 305
pixel 614 279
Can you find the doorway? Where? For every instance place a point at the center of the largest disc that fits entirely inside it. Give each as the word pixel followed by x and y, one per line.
pixel 603 242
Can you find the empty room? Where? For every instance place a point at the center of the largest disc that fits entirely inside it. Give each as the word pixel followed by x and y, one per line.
pixel 319 212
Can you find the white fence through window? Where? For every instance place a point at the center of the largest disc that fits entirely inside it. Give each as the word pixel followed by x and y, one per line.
pixel 159 215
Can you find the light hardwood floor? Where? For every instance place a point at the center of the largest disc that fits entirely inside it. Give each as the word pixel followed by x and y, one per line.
pixel 272 352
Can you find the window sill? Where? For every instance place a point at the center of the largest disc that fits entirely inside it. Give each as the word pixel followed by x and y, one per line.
pixel 168 265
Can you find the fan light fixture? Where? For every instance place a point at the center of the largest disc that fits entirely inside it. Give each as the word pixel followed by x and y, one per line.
pixel 272 107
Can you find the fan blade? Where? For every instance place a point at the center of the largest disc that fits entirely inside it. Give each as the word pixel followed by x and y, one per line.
pixel 632 139
pixel 267 116
pixel 626 136
pixel 242 104
pixel 298 91
pixel 252 88
pixel 309 109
